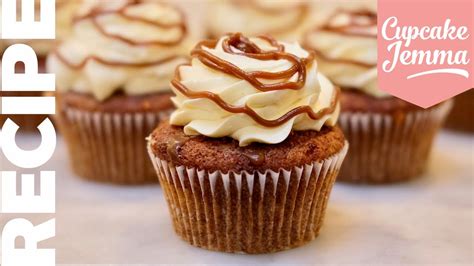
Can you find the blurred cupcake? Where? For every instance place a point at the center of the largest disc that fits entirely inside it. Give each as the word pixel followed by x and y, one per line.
pixel 64 15
pixel 113 78
pixel 248 159
pixel 286 20
pixel 390 138
pixel 462 116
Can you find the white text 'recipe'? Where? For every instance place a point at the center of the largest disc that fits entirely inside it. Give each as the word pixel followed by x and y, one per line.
pixel 26 27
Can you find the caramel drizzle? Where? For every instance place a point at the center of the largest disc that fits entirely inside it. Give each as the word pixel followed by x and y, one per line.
pixel 302 8
pixel 250 49
pixel 95 13
pixel 122 12
pixel 346 30
pixel 353 23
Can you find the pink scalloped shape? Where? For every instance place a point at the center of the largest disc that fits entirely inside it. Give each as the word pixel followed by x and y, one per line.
pixel 421 83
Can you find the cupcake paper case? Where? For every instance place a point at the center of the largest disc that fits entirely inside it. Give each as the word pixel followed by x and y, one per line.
pixel 390 139
pixel 113 78
pixel 243 170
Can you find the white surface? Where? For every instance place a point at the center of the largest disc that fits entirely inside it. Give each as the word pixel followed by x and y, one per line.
pixel 426 221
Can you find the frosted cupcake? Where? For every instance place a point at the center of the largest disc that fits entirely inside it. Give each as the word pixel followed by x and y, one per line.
pixel 64 15
pixel 390 138
pixel 248 159
pixel 286 20
pixel 113 78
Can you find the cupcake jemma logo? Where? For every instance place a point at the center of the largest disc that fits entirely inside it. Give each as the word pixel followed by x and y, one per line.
pixel 424 55
pixel 400 51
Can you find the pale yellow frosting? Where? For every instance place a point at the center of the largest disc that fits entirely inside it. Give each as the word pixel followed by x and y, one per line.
pixel 146 54
pixel 349 60
pixel 203 116
pixel 285 20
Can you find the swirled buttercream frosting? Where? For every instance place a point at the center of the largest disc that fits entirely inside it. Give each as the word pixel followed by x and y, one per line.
pixel 286 20
pixel 346 48
pixel 123 45
pixel 252 90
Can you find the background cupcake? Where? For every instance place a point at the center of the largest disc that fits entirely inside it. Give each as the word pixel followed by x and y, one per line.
pixel 113 78
pixel 249 157
pixel 390 138
pixel 462 116
pixel 282 19
pixel 64 15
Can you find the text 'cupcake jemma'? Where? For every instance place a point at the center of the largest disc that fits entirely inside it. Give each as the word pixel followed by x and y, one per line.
pixel 253 90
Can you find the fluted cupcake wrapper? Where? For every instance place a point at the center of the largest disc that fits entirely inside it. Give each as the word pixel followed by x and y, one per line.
pixel 110 147
pixel 243 212
pixel 389 148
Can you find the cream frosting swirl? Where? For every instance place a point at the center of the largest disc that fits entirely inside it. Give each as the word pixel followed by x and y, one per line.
pixel 252 90
pixel 133 46
pixel 285 20
pixel 346 48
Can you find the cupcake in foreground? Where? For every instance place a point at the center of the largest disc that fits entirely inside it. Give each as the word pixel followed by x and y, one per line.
pixel 248 159
pixel 461 117
pixel 113 85
pixel 64 15
pixel 390 138
pixel 285 20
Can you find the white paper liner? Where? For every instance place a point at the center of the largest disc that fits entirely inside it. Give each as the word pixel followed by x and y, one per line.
pixel 110 147
pixel 246 212
pixel 389 148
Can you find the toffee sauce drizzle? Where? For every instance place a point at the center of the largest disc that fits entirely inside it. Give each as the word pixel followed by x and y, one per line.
pixel 96 13
pixel 250 49
pixel 353 23
pixel 346 30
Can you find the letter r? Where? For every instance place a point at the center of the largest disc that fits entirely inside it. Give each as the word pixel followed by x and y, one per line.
pixel 30 254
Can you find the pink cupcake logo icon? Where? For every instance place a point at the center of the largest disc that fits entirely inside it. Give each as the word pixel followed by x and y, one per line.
pixel 425 58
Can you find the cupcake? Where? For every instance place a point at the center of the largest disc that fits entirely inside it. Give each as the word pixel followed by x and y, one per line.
pixel 390 138
pixel 64 15
pixel 286 20
pixel 248 159
pixel 113 88
pixel 461 117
